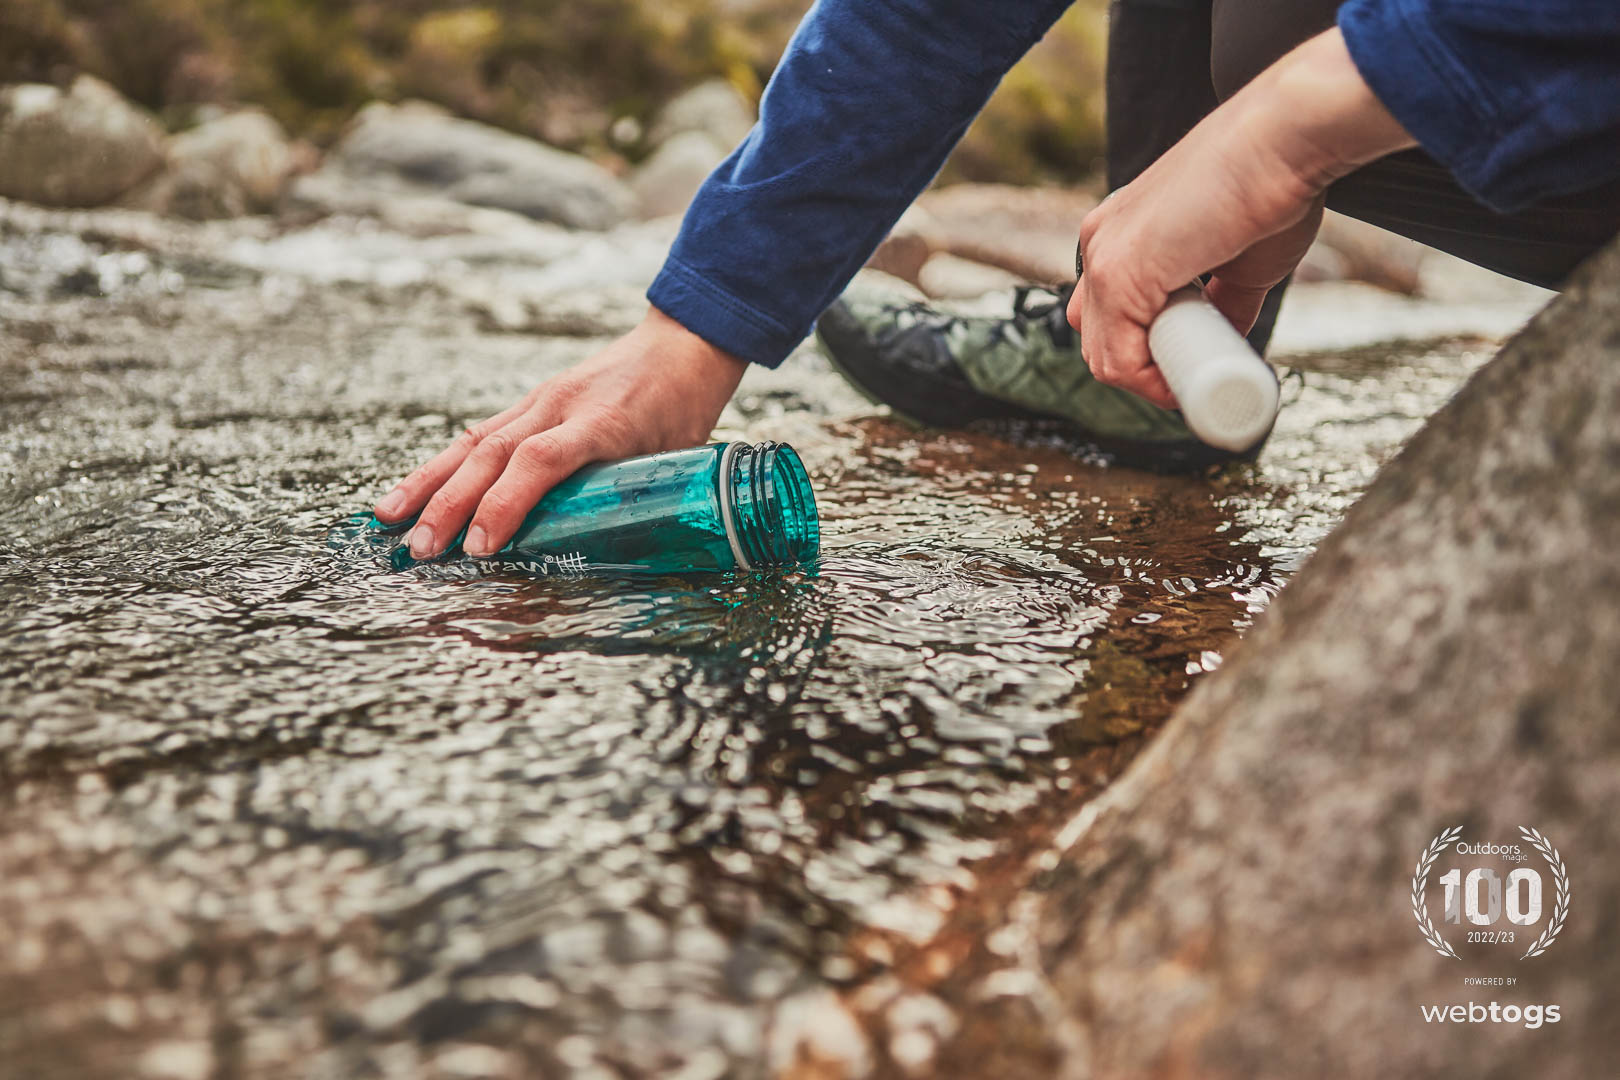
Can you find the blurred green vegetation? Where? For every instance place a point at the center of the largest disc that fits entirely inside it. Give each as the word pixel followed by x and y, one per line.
pixel 560 70
pixel 1045 123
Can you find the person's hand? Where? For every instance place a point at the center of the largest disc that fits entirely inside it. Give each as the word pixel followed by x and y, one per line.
pixel 1239 197
pixel 660 387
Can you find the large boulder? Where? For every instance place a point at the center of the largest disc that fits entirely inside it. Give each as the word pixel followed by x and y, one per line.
pixel 915 239
pixel 326 192
pixel 1028 232
pixel 666 182
pixel 236 164
pixel 951 277
pixel 418 148
pixel 715 108
pixel 81 148
pixel 1363 252
pixel 249 149
pixel 1241 903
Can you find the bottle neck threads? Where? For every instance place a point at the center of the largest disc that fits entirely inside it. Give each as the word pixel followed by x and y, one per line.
pixel 767 505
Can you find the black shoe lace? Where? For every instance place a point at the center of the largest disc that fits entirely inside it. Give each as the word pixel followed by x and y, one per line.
pixel 1297 377
pixel 922 314
pixel 1031 303
pixel 1048 306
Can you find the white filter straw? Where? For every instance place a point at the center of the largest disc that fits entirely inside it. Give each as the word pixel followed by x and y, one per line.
pixel 1227 393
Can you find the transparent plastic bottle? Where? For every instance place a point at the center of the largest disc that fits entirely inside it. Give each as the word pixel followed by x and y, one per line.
pixel 727 506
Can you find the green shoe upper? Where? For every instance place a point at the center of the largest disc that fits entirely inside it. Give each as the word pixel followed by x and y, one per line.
pixel 1033 359
pixel 908 355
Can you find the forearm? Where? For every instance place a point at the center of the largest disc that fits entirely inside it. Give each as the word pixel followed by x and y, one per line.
pixel 1240 197
pixel 1317 110
pixel 861 113
pixel 1252 169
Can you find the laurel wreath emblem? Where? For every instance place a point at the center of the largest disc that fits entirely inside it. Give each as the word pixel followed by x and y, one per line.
pixel 1420 883
pixel 1560 875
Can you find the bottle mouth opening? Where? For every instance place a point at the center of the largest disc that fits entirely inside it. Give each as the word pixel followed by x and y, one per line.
pixel 769 506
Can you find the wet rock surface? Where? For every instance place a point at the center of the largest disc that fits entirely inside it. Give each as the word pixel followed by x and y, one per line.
pixel 82 147
pixel 267 809
pixel 1028 232
pixel 419 147
pixel 714 108
pixel 239 163
pixel 667 180
pixel 1238 904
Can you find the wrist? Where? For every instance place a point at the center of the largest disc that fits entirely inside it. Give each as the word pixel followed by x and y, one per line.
pixel 667 337
pixel 1326 119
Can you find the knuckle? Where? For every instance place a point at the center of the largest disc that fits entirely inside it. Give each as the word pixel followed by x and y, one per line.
pixel 420 478
pixel 566 387
pixel 497 447
pixel 439 509
pixel 1100 269
pixel 473 435
pixel 1091 224
pixel 538 451
pixel 497 507
pixel 607 427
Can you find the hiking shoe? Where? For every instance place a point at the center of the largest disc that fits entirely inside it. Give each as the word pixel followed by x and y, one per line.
pixel 937 369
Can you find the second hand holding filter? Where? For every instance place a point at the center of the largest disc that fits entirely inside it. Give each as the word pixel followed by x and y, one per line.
pixel 1225 390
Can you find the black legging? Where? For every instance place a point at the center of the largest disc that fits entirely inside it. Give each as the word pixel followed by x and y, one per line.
pixel 1171 61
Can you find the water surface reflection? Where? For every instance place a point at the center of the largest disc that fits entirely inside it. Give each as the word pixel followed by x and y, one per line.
pixel 268 808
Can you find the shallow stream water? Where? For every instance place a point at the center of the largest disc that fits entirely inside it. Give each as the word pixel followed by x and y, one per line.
pixel 270 810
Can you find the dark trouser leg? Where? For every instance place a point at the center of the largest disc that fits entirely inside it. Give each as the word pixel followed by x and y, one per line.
pixel 1159 86
pixel 1158 80
pixel 1411 193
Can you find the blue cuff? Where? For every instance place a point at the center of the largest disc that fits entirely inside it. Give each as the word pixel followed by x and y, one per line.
pixel 720 318
pixel 1435 96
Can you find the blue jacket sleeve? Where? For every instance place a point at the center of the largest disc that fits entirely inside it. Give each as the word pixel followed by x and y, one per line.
pixel 862 111
pixel 1520 99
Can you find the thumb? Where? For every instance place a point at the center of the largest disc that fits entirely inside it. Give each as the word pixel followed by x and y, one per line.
pixel 1239 303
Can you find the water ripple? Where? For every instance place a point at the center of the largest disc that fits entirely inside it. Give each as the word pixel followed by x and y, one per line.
pixel 279 806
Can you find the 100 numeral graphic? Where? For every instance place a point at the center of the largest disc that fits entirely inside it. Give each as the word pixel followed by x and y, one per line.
pixel 1464 895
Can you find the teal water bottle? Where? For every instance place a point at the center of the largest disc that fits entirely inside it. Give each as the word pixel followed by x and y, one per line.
pixel 728 506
